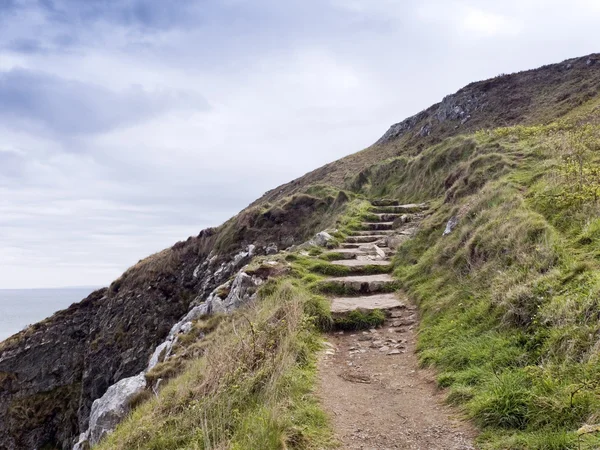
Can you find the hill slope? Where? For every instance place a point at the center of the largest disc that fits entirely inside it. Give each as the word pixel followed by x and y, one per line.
pixel 508 297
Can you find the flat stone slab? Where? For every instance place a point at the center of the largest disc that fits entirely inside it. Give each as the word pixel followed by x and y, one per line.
pixel 387 217
pixel 366 238
pixel 363 284
pixel 342 305
pixel 361 262
pixel 348 253
pixel 378 225
pixel 379 243
pixel 381 277
pixel 372 233
pixel 399 209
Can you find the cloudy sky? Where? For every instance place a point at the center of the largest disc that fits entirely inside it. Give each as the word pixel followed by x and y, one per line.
pixel 127 125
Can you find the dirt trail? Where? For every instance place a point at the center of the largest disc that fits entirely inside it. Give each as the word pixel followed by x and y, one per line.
pixel 378 400
pixel 370 383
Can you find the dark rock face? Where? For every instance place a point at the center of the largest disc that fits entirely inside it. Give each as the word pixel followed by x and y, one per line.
pixel 51 373
pixel 506 100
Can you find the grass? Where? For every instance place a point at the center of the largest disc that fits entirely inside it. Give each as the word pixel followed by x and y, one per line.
pixel 359 320
pixel 508 303
pixel 347 289
pixel 251 388
pixel 509 299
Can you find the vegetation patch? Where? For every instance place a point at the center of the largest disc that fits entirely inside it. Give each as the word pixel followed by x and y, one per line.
pixel 250 389
pixel 359 320
pixel 508 299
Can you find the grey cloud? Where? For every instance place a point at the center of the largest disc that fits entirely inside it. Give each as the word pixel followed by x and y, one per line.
pixel 146 13
pixel 71 107
pixel 294 85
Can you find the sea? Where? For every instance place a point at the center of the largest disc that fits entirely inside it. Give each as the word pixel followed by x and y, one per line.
pixel 22 307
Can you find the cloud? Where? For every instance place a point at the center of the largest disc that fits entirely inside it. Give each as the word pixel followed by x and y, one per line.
pixel 483 23
pixel 126 125
pixel 146 13
pixel 73 108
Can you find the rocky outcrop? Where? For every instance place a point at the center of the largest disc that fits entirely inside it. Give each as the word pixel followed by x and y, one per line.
pixel 110 409
pixel 51 373
pixel 503 101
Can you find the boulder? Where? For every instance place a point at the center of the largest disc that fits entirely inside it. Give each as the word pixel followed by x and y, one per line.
pixel 271 249
pixel 450 225
pixel 113 406
pixel 396 240
pixel 321 239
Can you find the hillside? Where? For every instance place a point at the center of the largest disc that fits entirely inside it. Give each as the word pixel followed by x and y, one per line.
pixel 508 298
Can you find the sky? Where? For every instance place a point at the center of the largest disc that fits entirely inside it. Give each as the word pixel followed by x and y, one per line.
pixel 128 125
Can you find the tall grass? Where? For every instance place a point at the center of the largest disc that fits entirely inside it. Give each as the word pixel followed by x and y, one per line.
pixel 250 390
pixel 509 298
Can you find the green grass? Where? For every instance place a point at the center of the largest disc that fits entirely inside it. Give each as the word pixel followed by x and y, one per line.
pixel 252 388
pixel 343 289
pixel 509 299
pixel 359 320
pixel 509 305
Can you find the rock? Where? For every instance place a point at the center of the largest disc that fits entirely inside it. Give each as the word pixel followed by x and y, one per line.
pixel 159 354
pixel 372 249
pixel 321 239
pixel 271 249
pixel 425 130
pixel 113 406
pixel 83 442
pixel 394 241
pixel 242 290
pixel 379 252
pixel 395 352
pixel 186 327
pixel 450 225
pixel 385 348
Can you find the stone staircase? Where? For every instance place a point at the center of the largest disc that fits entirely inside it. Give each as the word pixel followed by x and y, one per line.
pixel 368 252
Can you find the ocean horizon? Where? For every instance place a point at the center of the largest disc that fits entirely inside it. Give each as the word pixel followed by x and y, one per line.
pixel 20 308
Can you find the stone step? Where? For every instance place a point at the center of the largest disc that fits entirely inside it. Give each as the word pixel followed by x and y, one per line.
pixel 399 209
pixel 379 243
pixel 360 284
pixel 385 302
pixel 366 238
pixel 378 225
pixel 378 233
pixel 388 217
pixel 362 262
pixel 347 253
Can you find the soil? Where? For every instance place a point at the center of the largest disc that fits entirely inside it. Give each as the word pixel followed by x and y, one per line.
pixel 377 396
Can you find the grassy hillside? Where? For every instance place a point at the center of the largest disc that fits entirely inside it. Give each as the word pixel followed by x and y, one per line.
pixel 247 386
pixel 509 300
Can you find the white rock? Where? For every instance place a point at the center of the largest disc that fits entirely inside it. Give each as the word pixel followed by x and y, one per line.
pixel 160 351
pixel 83 442
pixel 113 406
pixel 379 252
pixel 321 239
pixel 450 225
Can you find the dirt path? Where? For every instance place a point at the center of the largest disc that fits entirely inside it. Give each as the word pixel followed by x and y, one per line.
pixel 370 383
pixel 378 398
